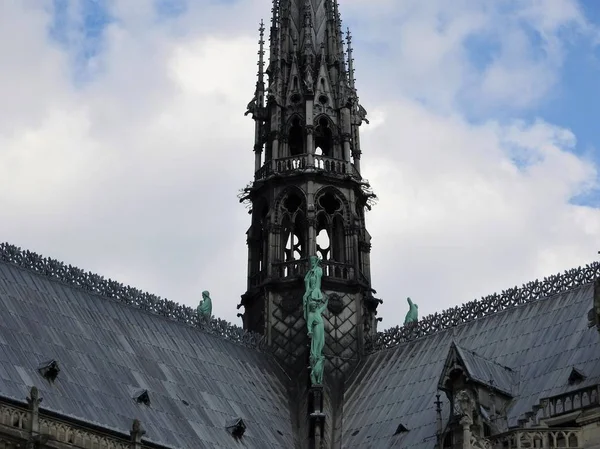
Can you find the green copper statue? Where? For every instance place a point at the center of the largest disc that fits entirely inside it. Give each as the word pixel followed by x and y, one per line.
pixel 312 284
pixel 314 304
pixel 413 312
pixel 205 307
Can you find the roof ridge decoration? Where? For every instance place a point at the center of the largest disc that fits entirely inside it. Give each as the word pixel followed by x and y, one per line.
pixel 486 306
pixel 98 285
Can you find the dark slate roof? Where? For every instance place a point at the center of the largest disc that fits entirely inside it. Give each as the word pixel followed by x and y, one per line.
pixel 486 371
pixel 107 350
pixel 541 341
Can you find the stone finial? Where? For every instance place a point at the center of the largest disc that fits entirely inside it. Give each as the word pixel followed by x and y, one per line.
pixel 136 432
pixel 34 398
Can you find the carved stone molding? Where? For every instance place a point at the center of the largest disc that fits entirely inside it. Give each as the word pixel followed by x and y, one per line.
pixel 335 304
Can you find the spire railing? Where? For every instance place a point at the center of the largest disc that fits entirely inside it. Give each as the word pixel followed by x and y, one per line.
pixel 300 163
pixel 294 269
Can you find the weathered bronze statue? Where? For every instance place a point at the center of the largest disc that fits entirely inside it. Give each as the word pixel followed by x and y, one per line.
pixel 316 333
pixel 205 307
pixel 413 312
pixel 312 284
pixel 314 304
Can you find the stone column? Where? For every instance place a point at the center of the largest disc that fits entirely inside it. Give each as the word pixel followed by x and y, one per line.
pixel 346 143
pixel 317 416
pixel 311 219
pixel 466 428
pixel 257 157
pixel 274 249
pixel 274 149
pixel 257 145
pixel 356 156
pixel 310 143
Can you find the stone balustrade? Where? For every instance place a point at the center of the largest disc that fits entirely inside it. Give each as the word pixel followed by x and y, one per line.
pixel 300 163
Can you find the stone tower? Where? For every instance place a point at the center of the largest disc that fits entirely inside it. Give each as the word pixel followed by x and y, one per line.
pixel 308 196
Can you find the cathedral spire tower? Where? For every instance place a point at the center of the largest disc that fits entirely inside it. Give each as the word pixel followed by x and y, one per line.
pixel 308 196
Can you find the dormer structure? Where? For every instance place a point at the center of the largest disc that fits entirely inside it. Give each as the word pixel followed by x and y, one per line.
pixel 308 196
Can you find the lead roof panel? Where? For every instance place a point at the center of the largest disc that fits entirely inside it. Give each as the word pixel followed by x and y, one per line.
pixel 106 350
pixel 540 341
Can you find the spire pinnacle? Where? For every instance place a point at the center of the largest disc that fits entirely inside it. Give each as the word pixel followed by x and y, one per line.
pixel 350 60
pixel 261 56
pixel 308 28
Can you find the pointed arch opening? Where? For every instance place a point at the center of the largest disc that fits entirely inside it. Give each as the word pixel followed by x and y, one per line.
pixel 323 239
pixel 338 240
pixel 258 241
pixel 324 137
pixel 293 241
pixel 296 138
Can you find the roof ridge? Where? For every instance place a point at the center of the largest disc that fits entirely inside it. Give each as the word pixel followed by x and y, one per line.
pixel 110 289
pixel 479 356
pixel 486 306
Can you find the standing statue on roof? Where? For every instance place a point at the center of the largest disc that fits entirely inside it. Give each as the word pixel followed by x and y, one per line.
pixel 314 304
pixel 413 312
pixel 312 285
pixel 205 307
pixel 316 333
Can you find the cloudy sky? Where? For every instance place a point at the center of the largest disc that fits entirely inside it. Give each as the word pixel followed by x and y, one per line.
pixel 123 142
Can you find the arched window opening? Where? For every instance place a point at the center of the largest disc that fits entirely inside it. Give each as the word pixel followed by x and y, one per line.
pixel 296 138
pixel 259 235
pixel 319 162
pixel 329 203
pixel 338 237
pixel 292 203
pixel 295 83
pixel 294 238
pixel 323 241
pixel 324 137
pixel 287 237
pixel 264 236
pixel 301 236
pixel 293 248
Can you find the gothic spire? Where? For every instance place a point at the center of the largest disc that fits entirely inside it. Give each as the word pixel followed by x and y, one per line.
pixel 309 31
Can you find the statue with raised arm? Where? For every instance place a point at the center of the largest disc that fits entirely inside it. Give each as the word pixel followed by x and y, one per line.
pixel 205 307
pixel 316 333
pixel 312 285
pixel 413 312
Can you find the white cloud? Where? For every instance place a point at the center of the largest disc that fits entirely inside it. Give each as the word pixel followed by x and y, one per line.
pixel 135 175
